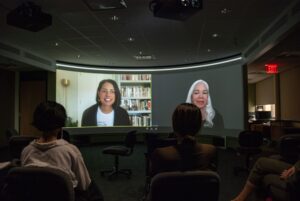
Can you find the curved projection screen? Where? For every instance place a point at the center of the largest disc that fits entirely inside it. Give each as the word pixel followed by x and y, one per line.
pixel 150 99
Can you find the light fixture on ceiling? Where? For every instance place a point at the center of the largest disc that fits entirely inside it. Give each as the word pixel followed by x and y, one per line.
pixel 114 18
pixel 78 56
pixel 140 56
pixel 208 50
pixel 215 35
pixel 225 11
pixel 130 39
pixel 56 44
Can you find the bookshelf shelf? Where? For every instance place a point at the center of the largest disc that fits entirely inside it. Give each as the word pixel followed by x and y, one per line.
pixel 131 112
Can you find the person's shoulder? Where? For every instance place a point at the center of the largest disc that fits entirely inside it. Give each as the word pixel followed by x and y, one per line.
pixel 208 148
pixel 92 107
pixel 67 145
pixel 120 109
pixel 121 112
pixel 164 151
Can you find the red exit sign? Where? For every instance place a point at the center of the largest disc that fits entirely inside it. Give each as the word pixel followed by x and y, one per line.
pixel 271 68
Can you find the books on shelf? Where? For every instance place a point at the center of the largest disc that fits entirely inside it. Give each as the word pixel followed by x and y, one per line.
pixel 136 104
pixel 136 97
pixel 143 120
pixel 135 77
pixel 135 91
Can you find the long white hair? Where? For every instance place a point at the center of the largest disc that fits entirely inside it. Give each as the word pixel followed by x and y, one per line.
pixel 209 108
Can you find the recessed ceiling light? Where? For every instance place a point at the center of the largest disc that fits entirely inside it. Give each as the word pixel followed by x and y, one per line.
pixel 56 44
pixel 215 35
pixel 208 50
pixel 130 39
pixel 144 57
pixel 114 18
pixel 225 11
pixel 78 56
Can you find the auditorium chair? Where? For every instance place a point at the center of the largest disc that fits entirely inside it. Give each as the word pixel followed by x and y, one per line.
pixel 194 185
pixel 120 150
pixel 10 132
pixel 290 147
pixel 37 184
pixel 250 143
pixel 18 143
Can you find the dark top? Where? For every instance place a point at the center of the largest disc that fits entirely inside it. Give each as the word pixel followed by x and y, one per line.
pixel 218 121
pixel 170 159
pixel 89 116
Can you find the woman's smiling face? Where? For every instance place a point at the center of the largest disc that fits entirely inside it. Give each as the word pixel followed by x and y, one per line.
pixel 200 95
pixel 107 94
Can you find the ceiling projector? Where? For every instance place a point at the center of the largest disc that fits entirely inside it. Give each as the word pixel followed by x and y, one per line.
pixel 175 9
pixel 29 16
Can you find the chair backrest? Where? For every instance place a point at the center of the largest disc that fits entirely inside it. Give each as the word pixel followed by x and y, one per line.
pixel 18 143
pixel 11 132
pixel 36 184
pixel 130 139
pixel 249 138
pixel 290 147
pixel 188 186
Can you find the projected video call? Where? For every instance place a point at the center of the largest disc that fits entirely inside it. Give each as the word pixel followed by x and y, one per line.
pixel 106 99
pixel 148 100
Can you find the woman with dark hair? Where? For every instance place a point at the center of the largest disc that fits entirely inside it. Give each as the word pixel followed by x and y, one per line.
pixel 270 172
pixel 49 151
pixel 187 154
pixel 107 110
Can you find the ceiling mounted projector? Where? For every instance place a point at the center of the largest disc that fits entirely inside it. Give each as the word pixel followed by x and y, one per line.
pixel 29 16
pixel 175 9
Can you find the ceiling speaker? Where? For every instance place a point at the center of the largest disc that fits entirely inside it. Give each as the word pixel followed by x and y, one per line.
pixel 29 16
pixel 175 9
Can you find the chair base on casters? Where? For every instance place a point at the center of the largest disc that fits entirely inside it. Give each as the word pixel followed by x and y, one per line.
pixel 114 173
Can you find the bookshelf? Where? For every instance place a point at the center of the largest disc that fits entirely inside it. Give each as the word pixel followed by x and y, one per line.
pixel 136 97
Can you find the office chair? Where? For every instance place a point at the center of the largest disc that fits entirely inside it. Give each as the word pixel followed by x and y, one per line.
pixel 194 185
pixel 121 150
pixel 289 146
pixel 249 145
pixel 153 141
pixel 36 184
pixel 18 143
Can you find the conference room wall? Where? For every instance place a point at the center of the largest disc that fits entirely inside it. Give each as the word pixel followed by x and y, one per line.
pixel 284 85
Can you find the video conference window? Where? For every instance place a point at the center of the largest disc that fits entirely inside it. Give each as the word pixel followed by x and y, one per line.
pixel 113 103
pixel 105 99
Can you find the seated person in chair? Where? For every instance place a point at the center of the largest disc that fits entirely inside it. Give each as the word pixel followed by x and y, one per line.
pixel 187 154
pixel 267 166
pixel 49 151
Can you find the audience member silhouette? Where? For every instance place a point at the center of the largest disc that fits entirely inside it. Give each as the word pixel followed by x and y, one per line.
pixel 187 154
pixel 263 167
pixel 49 151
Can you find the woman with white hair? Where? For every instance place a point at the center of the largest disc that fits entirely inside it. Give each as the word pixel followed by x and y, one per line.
pixel 199 96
